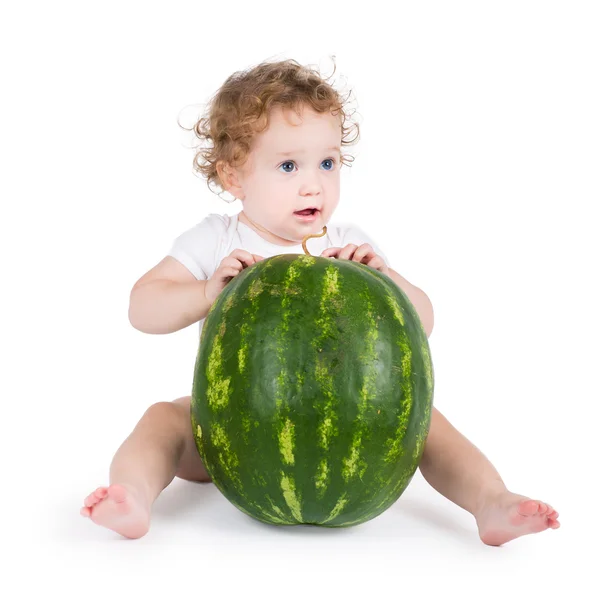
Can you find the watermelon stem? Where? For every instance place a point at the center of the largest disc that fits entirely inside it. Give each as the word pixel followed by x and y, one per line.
pixel 312 236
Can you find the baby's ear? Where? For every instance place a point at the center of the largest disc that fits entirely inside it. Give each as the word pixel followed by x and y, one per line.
pixel 229 179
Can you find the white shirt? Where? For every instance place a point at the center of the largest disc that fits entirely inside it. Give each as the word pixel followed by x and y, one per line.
pixel 202 247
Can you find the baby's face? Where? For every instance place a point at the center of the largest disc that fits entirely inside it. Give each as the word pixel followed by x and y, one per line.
pixel 275 185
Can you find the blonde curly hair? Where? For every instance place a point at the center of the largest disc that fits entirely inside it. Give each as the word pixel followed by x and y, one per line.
pixel 242 105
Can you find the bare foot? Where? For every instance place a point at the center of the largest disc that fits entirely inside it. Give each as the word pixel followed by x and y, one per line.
pixel 119 508
pixel 508 516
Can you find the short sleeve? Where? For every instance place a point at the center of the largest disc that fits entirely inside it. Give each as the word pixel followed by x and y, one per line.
pixel 352 234
pixel 196 249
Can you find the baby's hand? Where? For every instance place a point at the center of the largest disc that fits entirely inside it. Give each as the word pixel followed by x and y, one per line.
pixel 363 254
pixel 229 267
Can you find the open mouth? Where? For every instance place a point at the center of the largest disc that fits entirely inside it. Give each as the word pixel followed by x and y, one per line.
pixel 307 212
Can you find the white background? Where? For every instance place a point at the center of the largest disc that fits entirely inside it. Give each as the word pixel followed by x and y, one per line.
pixel 477 173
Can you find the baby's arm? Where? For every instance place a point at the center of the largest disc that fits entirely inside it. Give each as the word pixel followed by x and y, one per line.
pixel 167 298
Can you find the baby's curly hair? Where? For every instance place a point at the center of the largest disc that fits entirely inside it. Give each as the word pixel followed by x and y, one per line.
pixel 242 105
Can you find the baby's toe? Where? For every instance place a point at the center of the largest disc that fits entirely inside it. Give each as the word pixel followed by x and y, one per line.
pixel 85 512
pixel 542 508
pixel 527 508
pixel 95 497
pixel 117 493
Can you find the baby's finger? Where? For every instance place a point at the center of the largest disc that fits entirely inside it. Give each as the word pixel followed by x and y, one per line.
pixel 376 262
pixel 328 252
pixel 379 264
pixel 245 258
pixel 231 262
pixel 364 251
pixel 225 273
pixel 348 251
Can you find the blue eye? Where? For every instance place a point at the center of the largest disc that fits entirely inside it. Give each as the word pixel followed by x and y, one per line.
pixel 290 162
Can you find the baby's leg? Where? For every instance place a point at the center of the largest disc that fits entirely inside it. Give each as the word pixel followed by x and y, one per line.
pixel 460 472
pixel 160 447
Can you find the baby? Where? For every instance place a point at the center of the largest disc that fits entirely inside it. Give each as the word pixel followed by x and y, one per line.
pixel 276 132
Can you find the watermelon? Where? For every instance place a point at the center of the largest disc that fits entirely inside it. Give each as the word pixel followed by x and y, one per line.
pixel 312 391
